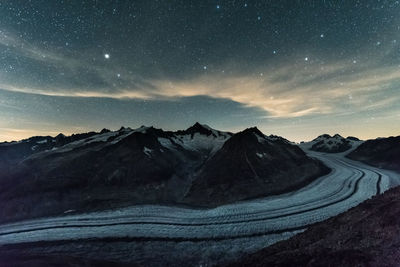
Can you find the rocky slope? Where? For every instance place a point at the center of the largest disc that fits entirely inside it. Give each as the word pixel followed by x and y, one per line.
pixel 253 165
pixel 331 144
pixel 367 235
pixel 381 152
pixel 197 166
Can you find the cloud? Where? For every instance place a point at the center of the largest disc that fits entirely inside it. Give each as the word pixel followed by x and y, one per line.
pixel 307 91
pixel 293 89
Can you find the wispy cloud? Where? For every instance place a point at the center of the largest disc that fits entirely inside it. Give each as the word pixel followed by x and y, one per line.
pixel 310 91
pixel 296 89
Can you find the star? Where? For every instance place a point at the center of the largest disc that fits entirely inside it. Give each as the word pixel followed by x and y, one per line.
pixel 322 35
pixel 274 52
pixel 258 18
pixel 118 75
pixel 306 59
pixel 106 56
pixel 205 67
pixel 218 6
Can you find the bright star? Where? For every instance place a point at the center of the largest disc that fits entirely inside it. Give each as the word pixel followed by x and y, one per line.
pixel 322 35
pixel 205 67
pixel 218 6
pixel 306 58
pixel 106 56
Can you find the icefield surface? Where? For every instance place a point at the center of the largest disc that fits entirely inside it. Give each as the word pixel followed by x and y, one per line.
pixel 260 222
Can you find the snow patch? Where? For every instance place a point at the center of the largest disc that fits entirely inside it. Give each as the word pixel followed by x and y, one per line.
pixel 147 151
pixel 260 139
pixel 199 142
pixel 165 142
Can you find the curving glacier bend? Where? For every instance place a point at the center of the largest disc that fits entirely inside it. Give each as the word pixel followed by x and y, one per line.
pixel 229 230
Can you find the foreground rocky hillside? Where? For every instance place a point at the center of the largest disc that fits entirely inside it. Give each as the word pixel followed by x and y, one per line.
pixel 381 152
pixel 367 235
pixel 98 171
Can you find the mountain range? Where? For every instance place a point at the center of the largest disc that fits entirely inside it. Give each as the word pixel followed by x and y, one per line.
pixel 198 166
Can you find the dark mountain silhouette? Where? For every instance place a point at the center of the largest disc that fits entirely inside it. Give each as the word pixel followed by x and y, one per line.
pixel 381 152
pixel 251 164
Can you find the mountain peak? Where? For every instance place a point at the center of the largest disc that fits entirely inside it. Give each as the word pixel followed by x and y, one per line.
pixel 254 130
pixel 200 128
pixel 104 130
pixel 352 138
pixel 325 136
pixel 60 135
pixel 198 125
pixel 250 135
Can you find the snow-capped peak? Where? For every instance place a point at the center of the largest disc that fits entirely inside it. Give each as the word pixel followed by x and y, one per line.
pixel 332 144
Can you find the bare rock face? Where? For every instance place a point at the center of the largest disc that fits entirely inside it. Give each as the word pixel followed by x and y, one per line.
pixel 197 166
pixel 366 235
pixel 381 152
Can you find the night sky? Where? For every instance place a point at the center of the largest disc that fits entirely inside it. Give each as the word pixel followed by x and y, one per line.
pixel 292 68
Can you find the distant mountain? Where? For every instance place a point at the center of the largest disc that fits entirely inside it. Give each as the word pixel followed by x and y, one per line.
pixel 366 235
pixel 196 166
pixel 14 152
pixel 381 152
pixel 332 144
